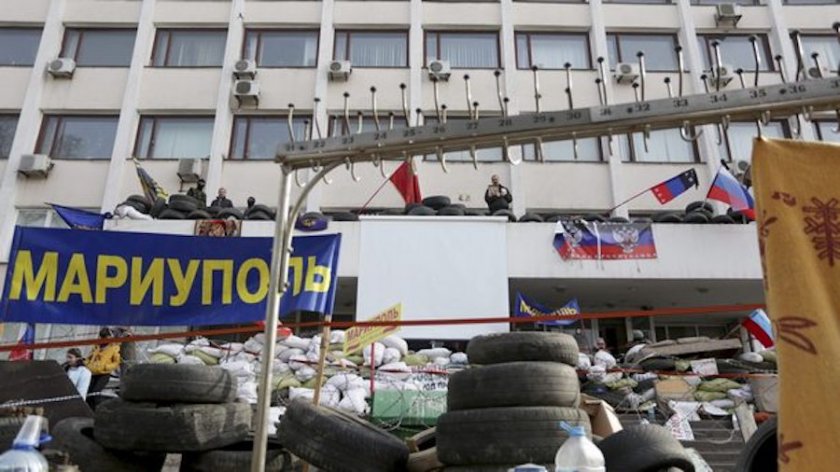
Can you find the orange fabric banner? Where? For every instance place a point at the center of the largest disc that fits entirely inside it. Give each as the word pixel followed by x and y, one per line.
pixel 797 190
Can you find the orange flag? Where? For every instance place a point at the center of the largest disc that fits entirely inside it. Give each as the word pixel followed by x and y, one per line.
pixel 798 222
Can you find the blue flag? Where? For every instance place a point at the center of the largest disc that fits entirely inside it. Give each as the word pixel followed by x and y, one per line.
pixel 528 308
pixel 79 219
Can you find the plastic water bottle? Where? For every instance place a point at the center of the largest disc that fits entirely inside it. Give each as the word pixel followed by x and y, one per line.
pixel 23 456
pixel 578 453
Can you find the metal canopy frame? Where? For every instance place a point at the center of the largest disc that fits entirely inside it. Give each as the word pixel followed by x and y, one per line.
pixel 322 155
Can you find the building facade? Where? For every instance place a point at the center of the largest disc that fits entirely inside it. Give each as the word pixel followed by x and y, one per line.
pixel 153 80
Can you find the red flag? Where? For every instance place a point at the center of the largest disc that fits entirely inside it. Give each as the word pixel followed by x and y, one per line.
pixel 407 183
pixel 27 336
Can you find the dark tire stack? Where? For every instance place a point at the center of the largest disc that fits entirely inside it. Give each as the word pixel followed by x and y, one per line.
pixel 507 408
pixel 162 408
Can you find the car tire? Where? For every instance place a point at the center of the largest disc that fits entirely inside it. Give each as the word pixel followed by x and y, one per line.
pixel 506 213
pixel 644 448
pixel 170 214
pixel 422 211
pixel 225 213
pixel 236 458
pixel 436 202
pixel 531 218
pixel 761 451
pixel 523 346
pixel 177 383
pixel 74 436
pixel 451 211
pixel 199 215
pixel 514 384
pixel 185 206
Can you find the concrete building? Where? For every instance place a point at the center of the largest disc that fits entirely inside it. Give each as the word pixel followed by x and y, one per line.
pixel 153 79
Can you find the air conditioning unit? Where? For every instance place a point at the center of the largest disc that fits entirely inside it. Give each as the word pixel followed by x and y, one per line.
pixel 440 70
pixel 245 69
pixel 35 165
pixel 340 70
pixel 740 167
pixel 816 73
pixel 721 76
pixel 728 14
pixel 189 170
pixel 246 89
pixel 62 67
pixel 626 72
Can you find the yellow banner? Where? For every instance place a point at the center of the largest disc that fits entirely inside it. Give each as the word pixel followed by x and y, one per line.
pixel 360 336
pixel 798 223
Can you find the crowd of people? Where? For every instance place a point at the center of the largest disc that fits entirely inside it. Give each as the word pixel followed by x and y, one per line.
pixel 221 200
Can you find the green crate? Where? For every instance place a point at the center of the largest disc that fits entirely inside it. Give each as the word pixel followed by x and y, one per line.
pixel 408 408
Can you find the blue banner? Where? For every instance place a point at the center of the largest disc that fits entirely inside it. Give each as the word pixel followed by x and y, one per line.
pixel 527 308
pixel 134 279
pixel 79 219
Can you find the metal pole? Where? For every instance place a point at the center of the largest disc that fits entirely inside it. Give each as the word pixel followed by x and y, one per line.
pixel 276 286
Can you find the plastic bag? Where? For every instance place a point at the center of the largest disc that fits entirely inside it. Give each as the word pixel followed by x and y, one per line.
pixel 395 342
pixel 604 358
pixel 584 362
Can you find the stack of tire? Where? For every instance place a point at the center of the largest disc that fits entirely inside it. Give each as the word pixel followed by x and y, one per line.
pixel 508 409
pixel 701 212
pixel 174 408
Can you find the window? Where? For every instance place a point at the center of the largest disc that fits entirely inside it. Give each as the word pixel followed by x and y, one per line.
pixel 99 47
pixel 825 131
pixel 664 145
pixel 18 46
pixel 741 136
pixel 589 150
pixel 77 137
pixel 8 125
pixel 463 50
pixel 826 46
pixel 189 48
pixel 372 48
pixel 40 218
pixel 552 51
pixel 281 48
pixel 174 137
pixel 660 50
pixel 259 137
pixel 736 51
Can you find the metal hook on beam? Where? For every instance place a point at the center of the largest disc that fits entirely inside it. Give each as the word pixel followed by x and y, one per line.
pixel 437 97
pixel 297 179
pixel 667 81
pixel 404 99
pixel 808 113
pixel 796 129
pixel 686 132
pixel 537 94
pixel 443 113
pixel 390 120
pixel 346 129
pixel 307 130
pixel 681 65
pixel 705 80
pixel 290 123
pixel 575 146
pixel 373 108
pixel 315 123
pixel 796 37
pixel 351 166
pixel 815 56
pixel 474 156
pixel 756 59
pixel 646 138
pixel 602 74
pixel 610 147
pixel 780 67
pixel 600 91
pixel 468 95
pixel 360 121
pixel 442 159
pixel 718 66
pixel 419 117
pixel 506 153
pixel 378 162
pixel 642 72
pixel 568 67
pixel 506 101
pixel 316 167
pixel 539 153
pixel 502 108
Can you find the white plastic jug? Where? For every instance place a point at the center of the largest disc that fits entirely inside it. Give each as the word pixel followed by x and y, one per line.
pixel 578 453
pixel 23 456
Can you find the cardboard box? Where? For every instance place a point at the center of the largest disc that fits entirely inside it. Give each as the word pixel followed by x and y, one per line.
pixel 675 389
pixel 601 415
pixel 765 389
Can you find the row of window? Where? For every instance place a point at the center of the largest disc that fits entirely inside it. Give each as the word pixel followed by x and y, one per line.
pixel 473 50
pixel 259 136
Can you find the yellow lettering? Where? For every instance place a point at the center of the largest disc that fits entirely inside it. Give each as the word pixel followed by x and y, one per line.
pixel 24 274
pixel 315 270
pixel 242 280
pixel 105 281
pixel 210 265
pixel 140 283
pixel 183 281
pixel 296 265
pixel 76 281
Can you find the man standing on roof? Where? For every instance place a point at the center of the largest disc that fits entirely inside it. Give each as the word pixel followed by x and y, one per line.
pixel 497 196
pixel 197 192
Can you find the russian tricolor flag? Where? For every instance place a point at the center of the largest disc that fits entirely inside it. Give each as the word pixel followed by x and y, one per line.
pixel 725 188
pixel 758 324
pixel 26 337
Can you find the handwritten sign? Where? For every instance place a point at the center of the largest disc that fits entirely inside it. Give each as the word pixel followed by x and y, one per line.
pixel 360 336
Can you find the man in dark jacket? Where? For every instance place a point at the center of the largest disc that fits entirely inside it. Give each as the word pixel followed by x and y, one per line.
pixel 221 200
pixel 497 196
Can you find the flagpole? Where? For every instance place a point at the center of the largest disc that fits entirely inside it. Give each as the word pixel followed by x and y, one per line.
pixel 374 194
pixel 630 199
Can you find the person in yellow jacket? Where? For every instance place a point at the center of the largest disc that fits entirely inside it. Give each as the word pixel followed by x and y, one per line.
pixel 102 361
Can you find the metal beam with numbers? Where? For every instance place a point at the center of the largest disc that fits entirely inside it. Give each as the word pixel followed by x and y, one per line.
pixel 771 101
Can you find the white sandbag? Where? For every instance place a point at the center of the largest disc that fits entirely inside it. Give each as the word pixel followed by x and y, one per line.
pixel 693 380
pixel 344 363
pixel 751 357
pixel 378 353
pixel 584 362
pixel 246 392
pixel 244 357
pixel 604 358
pixel 354 401
pixel 596 373
pixel 298 362
pixel 289 353
pixel 330 396
pixel 210 351
pixel 433 354
pixel 459 358
pixel 313 357
pixel 441 361
pixel 280 368
pixel 337 337
pixel 189 359
pixel 301 392
pixel 233 348
pixel 634 353
pixel 131 213
pixel 644 376
pixel 259 337
pixel 725 403
pixel 712 410
pixel 274 414
pixel 394 367
pixel 252 345
pixel 343 381
pixel 170 349
pixel 391 355
pixel 740 395
pixel 200 341
pixel 238 368
pixel 612 377
pixel 296 342
pixel 395 342
pixel 305 373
